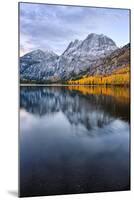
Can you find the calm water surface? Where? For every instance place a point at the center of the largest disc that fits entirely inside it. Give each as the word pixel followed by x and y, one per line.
pixel 73 140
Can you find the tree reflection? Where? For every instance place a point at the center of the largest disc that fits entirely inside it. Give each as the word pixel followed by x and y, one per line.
pixel 89 107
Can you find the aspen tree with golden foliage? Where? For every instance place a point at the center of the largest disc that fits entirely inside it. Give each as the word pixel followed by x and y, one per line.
pixel 118 77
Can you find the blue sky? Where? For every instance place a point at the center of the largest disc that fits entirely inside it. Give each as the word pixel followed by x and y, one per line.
pixel 52 27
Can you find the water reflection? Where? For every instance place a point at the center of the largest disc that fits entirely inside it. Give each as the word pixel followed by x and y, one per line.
pixel 90 108
pixel 73 139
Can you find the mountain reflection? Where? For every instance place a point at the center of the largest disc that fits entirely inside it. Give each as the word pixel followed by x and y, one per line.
pixel 72 138
pixel 86 106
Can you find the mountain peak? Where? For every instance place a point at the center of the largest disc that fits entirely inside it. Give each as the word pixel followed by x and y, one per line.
pixel 91 35
pixel 39 54
pixel 93 45
pixel 38 51
pixel 72 46
pixel 98 42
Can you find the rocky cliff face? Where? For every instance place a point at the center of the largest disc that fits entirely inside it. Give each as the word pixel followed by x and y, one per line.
pixel 94 45
pixel 118 59
pixel 79 57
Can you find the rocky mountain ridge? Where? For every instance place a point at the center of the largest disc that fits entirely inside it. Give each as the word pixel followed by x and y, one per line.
pixel 80 57
pixel 116 60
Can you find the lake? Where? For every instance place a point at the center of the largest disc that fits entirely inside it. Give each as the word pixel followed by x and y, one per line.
pixel 74 139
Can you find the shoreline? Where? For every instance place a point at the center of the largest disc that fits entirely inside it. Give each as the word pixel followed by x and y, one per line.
pixel 60 85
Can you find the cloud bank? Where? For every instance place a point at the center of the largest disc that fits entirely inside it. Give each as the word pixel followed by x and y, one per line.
pixel 52 27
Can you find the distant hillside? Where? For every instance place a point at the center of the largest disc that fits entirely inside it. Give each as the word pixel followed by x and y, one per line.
pixel 113 69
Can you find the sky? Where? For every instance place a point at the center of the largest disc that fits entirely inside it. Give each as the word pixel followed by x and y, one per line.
pixel 53 27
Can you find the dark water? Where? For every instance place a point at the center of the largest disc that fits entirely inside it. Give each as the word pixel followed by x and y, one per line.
pixel 73 140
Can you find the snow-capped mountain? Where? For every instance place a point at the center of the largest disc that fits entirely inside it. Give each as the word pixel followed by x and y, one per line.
pixel 38 65
pixel 77 58
pixel 94 45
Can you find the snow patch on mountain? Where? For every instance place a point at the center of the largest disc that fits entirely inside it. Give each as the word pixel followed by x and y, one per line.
pixel 78 57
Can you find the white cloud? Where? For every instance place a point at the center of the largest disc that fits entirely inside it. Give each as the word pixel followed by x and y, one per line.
pixel 53 27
